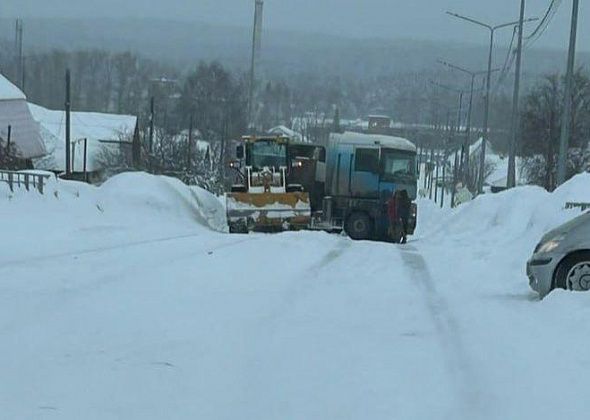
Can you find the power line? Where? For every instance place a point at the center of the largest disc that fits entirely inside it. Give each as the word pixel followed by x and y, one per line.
pixel 529 41
pixel 543 24
pixel 508 62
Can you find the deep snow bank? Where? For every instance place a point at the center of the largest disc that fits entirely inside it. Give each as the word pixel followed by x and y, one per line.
pixel 488 241
pixel 128 199
pixel 161 197
pixel 527 212
pixel 129 208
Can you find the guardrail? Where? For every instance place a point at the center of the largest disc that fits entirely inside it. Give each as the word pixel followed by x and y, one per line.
pixel 24 179
pixel 581 206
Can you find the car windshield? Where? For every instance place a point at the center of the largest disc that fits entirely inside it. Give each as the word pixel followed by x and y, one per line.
pixel 268 154
pixel 397 164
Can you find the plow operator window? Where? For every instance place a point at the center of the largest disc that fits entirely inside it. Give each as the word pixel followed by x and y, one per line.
pixel 268 154
pixel 397 165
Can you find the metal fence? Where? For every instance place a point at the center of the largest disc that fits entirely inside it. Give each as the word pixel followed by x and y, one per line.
pixel 581 206
pixel 24 179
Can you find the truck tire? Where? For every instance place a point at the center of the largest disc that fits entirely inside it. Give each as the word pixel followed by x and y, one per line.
pixel 238 228
pixel 359 226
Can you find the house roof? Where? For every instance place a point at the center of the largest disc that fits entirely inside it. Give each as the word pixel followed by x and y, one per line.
pixel 90 125
pixel 97 128
pixel 286 131
pixel 8 91
pixel 14 112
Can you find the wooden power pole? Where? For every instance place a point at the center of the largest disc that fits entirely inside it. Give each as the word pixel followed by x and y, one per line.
pixel 255 61
pixel 566 119
pixel 68 125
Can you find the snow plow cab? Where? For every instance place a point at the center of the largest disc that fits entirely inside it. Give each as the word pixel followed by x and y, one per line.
pixel 274 177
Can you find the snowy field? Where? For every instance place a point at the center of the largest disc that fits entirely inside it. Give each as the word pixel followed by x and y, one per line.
pixel 129 302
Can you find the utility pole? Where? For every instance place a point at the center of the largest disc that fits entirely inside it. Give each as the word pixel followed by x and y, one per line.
pixel 189 157
pixel 455 174
pixel 464 159
pixel 85 160
pixel 68 125
pixel 152 115
pixel 515 123
pixel 255 61
pixel 486 118
pixel 23 75
pixel 18 53
pixel 431 172
pixel 566 118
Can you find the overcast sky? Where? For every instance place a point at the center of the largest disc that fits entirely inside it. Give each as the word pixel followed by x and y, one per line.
pixel 420 19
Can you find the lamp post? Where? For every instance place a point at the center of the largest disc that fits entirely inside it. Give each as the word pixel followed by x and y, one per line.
pixel 450 138
pixel 461 93
pixel 464 161
pixel 515 122
pixel 566 129
pixel 492 29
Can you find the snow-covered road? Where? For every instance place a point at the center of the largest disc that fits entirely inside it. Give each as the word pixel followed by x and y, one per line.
pixel 261 326
pixel 179 322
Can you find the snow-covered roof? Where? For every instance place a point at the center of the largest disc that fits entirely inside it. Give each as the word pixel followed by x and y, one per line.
pixel 201 145
pixel 90 125
pixel 96 127
pixel 286 131
pixel 373 139
pixel 14 112
pixel 8 91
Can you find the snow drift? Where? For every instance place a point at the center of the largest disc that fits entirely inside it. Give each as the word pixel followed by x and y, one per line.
pixel 523 212
pixel 129 207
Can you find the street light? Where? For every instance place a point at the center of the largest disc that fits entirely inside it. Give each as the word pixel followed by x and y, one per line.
pixel 467 140
pixel 492 30
pixel 461 92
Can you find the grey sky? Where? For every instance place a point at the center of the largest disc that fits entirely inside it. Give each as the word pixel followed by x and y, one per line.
pixel 421 19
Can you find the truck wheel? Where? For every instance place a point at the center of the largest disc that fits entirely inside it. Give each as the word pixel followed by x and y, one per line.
pixel 574 272
pixel 238 227
pixel 359 226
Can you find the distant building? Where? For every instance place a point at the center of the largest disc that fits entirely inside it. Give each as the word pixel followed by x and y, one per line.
pixel 283 131
pixel 379 124
pixel 101 131
pixel 24 131
pixel 200 145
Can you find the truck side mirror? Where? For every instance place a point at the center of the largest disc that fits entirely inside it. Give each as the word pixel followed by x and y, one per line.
pixel 240 152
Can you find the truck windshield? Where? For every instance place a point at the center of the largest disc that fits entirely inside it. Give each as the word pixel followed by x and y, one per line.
pixel 268 154
pixel 398 165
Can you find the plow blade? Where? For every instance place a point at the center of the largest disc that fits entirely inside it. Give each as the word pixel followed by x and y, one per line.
pixel 268 211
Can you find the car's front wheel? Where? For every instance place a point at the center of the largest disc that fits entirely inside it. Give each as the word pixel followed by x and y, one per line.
pixel 574 272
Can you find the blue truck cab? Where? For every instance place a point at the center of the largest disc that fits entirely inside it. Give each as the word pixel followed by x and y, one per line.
pixel 362 173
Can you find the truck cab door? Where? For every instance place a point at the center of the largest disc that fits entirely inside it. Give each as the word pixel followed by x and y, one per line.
pixel 364 174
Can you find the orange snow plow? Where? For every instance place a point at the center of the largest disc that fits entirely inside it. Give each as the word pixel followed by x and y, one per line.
pixel 264 200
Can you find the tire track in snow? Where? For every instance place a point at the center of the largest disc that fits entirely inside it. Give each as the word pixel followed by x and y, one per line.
pixel 34 260
pixel 53 304
pixel 307 282
pixel 470 394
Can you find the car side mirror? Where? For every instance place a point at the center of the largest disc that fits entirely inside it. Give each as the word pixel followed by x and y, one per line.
pixel 240 152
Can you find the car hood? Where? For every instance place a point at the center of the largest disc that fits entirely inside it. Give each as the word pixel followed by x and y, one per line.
pixel 578 222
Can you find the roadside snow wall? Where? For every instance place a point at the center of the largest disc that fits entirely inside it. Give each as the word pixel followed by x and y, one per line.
pixel 128 208
pixel 523 212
